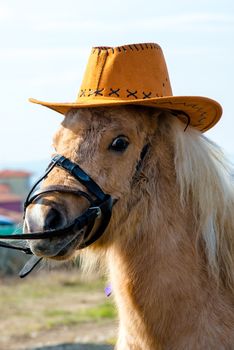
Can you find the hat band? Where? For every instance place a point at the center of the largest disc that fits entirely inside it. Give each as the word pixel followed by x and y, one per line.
pixel 118 93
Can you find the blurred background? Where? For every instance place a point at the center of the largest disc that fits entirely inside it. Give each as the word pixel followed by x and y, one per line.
pixel 44 47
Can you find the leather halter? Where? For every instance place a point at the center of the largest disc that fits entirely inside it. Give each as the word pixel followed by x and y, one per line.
pixel 100 207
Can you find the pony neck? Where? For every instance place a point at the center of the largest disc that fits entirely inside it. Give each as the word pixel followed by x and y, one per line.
pixel 151 274
pixel 159 280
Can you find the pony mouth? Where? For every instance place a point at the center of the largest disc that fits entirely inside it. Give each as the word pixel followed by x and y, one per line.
pixel 57 248
pixel 60 243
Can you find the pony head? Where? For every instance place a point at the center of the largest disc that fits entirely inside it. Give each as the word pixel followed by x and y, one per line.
pixel 181 184
pixel 108 144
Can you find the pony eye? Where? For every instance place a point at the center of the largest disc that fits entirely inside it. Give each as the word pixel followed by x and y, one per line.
pixel 119 144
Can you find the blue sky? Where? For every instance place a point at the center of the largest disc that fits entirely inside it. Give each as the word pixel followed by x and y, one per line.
pixel 44 47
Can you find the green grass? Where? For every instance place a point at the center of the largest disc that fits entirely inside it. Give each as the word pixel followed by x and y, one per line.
pixel 39 289
pixel 103 311
pixel 57 317
pixel 49 300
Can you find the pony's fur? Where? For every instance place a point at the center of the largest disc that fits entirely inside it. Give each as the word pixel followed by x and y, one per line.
pixel 169 248
pixel 205 176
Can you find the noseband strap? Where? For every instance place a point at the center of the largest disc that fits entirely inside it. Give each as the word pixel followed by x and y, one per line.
pixel 75 170
pixel 80 175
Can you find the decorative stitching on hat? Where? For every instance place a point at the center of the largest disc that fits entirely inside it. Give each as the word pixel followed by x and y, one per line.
pixel 193 106
pixel 100 70
pixel 146 95
pixel 82 92
pixel 124 48
pixel 132 93
pixel 97 92
pixel 114 92
pixel 90 92
pixel 202 119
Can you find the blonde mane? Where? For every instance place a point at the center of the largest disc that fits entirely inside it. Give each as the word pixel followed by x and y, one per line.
pixel 205 177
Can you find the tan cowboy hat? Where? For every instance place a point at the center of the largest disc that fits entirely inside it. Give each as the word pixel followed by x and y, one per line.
pixel 136 74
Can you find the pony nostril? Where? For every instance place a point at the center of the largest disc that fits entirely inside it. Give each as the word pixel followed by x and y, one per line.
pixel 53 220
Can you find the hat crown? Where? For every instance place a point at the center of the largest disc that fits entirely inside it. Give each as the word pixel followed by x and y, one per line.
pixel 136 71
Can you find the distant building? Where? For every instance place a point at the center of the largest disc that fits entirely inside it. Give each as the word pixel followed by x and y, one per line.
pixel 9 200
pixel 18 181
pixel 14 187
pixel 14 216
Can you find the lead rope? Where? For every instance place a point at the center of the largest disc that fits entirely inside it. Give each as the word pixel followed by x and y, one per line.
pixel 31 263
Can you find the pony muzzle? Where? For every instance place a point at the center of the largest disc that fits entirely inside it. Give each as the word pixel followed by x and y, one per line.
pixel 52 234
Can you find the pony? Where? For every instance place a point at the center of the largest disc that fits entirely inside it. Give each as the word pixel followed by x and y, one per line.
pixel 169 247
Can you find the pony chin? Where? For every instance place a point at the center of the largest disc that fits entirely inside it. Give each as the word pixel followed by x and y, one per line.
pixel 59 250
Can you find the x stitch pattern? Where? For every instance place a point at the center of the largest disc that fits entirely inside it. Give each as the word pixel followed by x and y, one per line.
pixel 114 92
pixel 132 93
pixel 82 92
pixel 97 92
pixel 145 95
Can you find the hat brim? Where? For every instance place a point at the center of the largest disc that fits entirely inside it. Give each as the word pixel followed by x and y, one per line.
pixel 203 113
